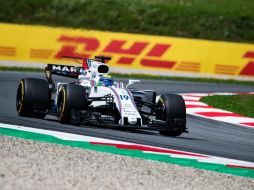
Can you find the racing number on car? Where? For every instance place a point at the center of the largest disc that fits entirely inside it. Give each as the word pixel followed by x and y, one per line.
pixel 124 97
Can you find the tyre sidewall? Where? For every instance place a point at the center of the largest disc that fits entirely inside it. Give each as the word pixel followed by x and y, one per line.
pixel 35 97
pixel 174 108
pixel 71 97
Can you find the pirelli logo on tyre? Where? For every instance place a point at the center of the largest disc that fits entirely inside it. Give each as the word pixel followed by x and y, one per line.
pixel 130 51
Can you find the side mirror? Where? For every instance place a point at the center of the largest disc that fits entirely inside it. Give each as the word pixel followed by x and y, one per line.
pixel 132 82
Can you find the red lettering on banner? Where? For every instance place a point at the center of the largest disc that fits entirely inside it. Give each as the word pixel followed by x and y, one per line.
pixel 72 47
pixel 249 68
pixel 72 43
pixel 249 54
pixel 116 46
pixel 158 50
pixel 125 60
pixel 158 63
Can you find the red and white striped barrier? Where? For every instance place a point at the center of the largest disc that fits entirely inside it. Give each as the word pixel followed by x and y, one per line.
pixel 197 108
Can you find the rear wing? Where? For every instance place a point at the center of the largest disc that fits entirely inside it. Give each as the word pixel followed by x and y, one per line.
pixel 72 71
pixel 64 70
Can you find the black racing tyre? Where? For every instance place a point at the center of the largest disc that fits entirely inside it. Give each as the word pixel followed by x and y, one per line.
pixel 71 98
pixel 33 98
pixel 171 108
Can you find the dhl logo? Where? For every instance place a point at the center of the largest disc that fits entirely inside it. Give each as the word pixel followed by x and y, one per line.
pixel 86 47
pixel 249 68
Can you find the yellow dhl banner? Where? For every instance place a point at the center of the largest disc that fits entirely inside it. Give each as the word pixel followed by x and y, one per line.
pixel 144 52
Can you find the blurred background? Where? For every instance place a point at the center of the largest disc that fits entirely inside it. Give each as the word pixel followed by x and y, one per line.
pixel 229 20
pixel 190 38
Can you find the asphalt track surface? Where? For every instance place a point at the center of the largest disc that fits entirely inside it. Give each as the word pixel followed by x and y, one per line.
pixel 205 136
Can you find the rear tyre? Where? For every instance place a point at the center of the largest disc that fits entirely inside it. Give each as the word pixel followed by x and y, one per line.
pixel 171 108
pixel 33 97
pixel 71 100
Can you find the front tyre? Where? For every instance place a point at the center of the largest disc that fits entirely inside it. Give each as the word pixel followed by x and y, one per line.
pixel 171 108
pixel 33 97
pixel 71 100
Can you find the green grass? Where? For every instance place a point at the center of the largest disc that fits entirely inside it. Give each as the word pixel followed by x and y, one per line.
pixel 230 20
pixel 241 104
pixel 145 76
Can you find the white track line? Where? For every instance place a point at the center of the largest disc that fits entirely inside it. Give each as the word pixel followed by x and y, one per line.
pixel 74 137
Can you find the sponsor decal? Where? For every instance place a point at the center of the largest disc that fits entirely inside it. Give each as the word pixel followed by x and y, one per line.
pixel 71 44
pixel 65 70
pixel 77 46
pixel 41 53
pixel 249 67
pixel 7 51
pixel 107 118
pixel 60 68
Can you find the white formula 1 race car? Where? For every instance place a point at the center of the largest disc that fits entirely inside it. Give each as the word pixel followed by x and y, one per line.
pixel 96 99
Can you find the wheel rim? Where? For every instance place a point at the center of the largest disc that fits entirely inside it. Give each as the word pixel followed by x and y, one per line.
pixel 161 110
pixel 60 105
pixel 20 98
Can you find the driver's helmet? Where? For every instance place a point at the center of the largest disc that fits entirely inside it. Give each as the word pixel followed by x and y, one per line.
pixel 106 80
